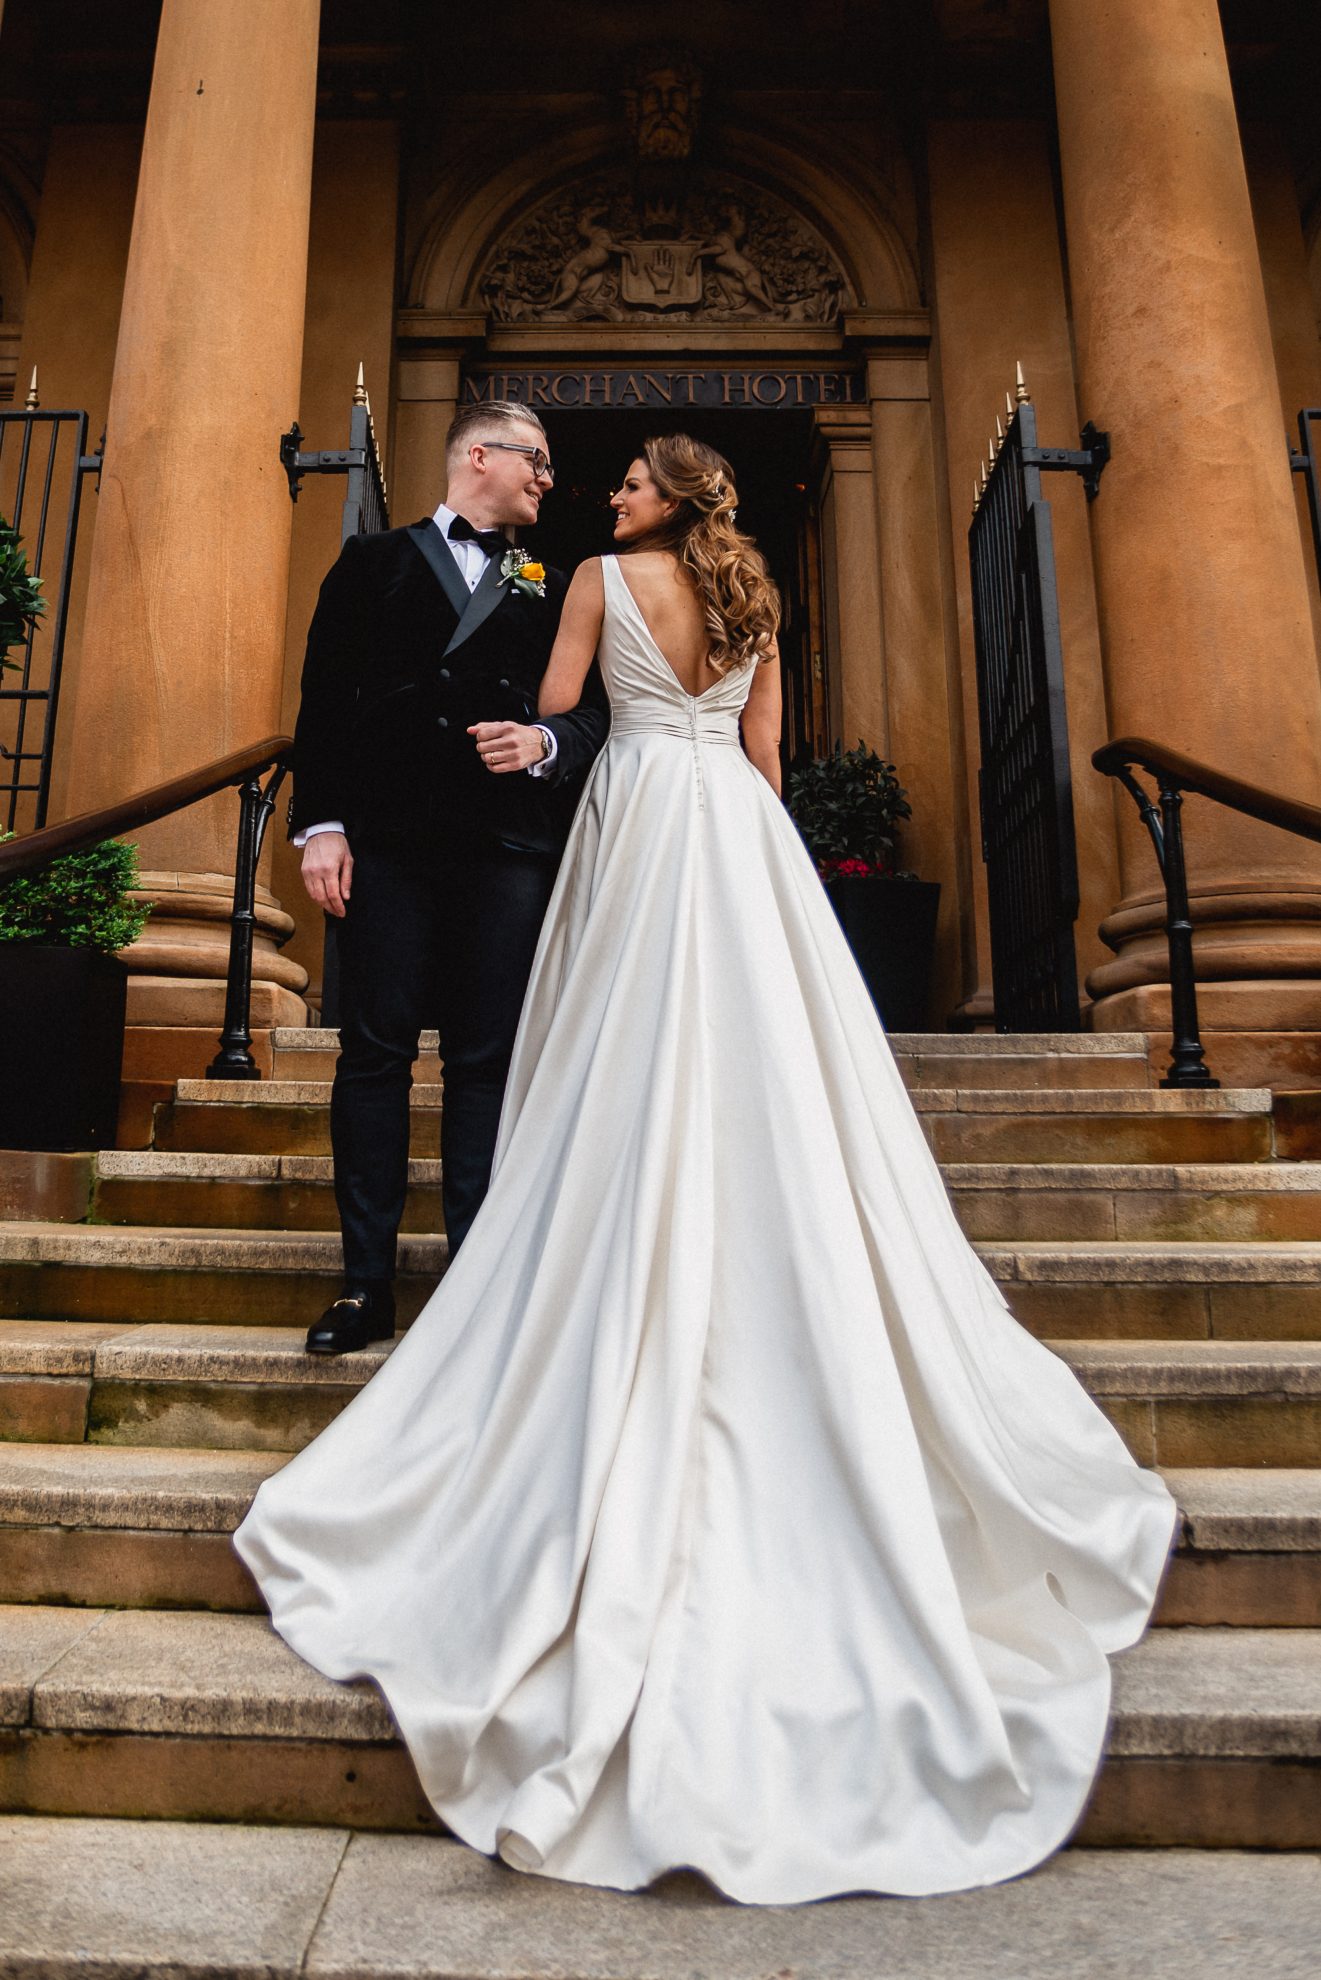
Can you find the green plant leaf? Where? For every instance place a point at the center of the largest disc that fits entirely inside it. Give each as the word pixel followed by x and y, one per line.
pixel 847 805
pixel 83 900
pixel 21 602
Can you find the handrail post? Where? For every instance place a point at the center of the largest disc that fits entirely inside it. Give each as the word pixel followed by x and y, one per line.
pixel 234 1060
pixel 1188 1065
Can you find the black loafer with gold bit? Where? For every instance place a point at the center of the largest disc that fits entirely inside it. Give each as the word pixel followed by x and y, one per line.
pixel 364 1312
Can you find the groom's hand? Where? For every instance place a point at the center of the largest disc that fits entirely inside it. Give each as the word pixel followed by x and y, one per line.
pixel 508 745
pixel 328 871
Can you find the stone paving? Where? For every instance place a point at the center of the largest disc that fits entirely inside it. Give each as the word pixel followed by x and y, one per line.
pixel 129 1900
pixel 151 1374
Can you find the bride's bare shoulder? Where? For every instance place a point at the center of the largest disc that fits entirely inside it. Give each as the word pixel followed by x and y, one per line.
pixel 587 580
pixel 654 569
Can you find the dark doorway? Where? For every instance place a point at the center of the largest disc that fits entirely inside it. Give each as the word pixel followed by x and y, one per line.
pixel 770 458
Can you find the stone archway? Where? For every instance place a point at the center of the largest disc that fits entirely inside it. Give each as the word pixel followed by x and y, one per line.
pixel 658 253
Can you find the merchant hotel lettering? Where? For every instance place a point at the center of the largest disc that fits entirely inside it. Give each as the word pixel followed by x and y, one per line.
pixel 825 241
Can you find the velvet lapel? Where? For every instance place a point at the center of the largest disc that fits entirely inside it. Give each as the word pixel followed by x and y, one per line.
pixel 480 604
pixel 441 559
pixel 473 607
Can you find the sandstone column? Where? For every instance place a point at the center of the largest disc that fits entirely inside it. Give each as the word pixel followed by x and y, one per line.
pixel 184 636
pixel 1203 600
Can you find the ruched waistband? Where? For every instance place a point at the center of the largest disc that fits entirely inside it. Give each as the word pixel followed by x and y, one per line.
pixel 707 729
pixel 698 725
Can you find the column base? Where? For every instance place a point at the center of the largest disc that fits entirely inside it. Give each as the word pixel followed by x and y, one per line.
pixel 179 963
pixel 194 1002
pixel 1255 1034
pixel 1278 1004
pixel 176 990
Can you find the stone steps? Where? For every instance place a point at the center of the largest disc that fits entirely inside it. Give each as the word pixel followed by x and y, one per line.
pixel 1067 1289
pixel 122 1526
pixel 1137 1201
pixel 994 1200
pixel 272 1117
pixel 117 1527
pixel 152 1373
pixel 247 1192
pixel 949 1059
pixel 1215 1738
pixel 197 1901
pixel 1178 1403
pixel 962 1124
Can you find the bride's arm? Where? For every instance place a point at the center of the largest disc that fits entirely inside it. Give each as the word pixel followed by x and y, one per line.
pixel 575 642
pixel 761 719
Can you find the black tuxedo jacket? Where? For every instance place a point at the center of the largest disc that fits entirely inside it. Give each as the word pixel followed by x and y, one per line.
pixel 401 659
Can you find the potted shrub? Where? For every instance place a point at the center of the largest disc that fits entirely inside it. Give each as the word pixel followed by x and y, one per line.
pixel 63 991
pixel 21 602
pixel 848 807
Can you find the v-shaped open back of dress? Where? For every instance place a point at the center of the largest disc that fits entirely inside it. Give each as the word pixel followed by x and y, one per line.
pixel 715 1511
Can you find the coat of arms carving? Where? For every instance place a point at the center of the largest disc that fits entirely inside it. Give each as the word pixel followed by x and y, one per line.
pixel 733 253
pixel 665 238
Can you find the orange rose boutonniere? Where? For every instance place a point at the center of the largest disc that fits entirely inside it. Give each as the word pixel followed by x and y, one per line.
pixel 523 573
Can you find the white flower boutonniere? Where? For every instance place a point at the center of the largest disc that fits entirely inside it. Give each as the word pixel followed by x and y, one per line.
pixel 520 570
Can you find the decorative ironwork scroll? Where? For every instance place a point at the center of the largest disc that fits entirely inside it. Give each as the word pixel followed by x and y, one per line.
pixel 366 507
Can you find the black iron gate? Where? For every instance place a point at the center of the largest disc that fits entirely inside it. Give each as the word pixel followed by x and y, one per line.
pixel 1026 786
pixel 43 463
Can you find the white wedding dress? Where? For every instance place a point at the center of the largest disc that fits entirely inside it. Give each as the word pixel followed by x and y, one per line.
pixel 715 1511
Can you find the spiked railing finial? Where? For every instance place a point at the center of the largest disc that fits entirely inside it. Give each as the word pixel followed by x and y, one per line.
pixel 1021 393
pixel 33 402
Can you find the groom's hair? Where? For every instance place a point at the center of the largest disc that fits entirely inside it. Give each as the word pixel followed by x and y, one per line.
pixel 486 421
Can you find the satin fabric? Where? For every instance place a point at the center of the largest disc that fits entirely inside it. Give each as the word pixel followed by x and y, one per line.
pixel 715 1511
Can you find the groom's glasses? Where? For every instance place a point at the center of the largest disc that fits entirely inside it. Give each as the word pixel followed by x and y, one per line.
pixel 541 466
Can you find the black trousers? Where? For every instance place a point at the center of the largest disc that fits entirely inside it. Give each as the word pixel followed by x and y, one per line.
pixel 444 938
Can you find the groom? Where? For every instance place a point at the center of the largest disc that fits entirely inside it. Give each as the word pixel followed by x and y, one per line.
pixel 432 808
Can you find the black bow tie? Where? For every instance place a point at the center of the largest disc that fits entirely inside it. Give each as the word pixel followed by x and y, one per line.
pixel 492 541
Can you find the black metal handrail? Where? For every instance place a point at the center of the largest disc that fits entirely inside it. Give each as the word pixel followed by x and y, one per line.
pixel 1175 774
pixel 243 768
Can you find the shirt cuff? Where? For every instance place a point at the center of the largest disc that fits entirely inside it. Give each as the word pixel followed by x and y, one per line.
pixel 331 825
pixel 547 762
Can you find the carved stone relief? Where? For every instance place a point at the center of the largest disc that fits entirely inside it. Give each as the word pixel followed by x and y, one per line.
pixel 731 253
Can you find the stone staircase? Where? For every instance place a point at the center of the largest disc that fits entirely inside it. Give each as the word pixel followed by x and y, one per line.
pixel 151 1375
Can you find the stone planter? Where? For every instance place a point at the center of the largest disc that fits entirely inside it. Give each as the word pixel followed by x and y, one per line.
pixel 891 929
pixel 61 1046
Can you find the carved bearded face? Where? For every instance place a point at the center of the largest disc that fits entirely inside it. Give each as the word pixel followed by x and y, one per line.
pixel 663 113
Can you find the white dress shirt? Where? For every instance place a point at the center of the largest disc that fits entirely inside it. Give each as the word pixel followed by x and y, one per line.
pixel 472 561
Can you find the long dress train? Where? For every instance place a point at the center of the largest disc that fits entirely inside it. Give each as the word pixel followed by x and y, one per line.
pixel 715 1511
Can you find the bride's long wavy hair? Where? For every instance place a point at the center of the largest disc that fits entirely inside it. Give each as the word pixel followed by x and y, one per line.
pixel 740 603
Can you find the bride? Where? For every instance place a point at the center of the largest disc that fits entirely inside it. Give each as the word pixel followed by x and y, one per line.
pixel 715 1512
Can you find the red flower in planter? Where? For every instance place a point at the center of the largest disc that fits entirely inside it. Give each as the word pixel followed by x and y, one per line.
pixel 849 869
